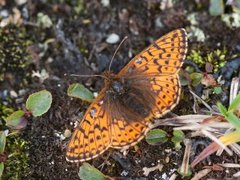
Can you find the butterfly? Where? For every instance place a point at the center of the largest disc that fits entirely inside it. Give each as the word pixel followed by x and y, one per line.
pixel 147 87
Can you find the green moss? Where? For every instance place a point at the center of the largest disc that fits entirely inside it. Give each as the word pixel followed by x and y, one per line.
pixel 16 148
pixel 196 57
pixel 4 111
pixel 14 56
pixel 217 58
pixel 16 165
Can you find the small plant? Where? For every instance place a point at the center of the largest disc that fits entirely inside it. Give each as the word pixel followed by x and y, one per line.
pixel 225 139
pixel 178 137
pixel 216 58
pixel 79 91
pixel 229 113
pixel 156 136
pixel 88 172
pixel 44 20
pixel 196 78
pixel 36 105
pixel 216 7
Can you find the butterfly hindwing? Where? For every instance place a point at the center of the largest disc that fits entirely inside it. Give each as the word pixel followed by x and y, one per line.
pixel 167 89
pixel 91 138
pixel 125 134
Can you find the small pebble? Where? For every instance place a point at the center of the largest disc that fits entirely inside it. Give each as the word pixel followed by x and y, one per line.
pixel 6 132
pixel 168 150
pixel 62 137
pixel 112 38
pixel 95 94
pixel 105 3
pixel 4 13
pixel 67 133
pixel 167 159
pixel 158 22
pixel 22 92
pixel 13 94
pixel 124 173
pixel 20 2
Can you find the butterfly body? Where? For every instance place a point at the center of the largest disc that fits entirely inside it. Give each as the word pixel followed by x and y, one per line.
pixel 147 87
pixel 129 96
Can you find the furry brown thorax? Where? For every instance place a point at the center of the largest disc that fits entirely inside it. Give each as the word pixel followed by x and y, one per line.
pixel 129 97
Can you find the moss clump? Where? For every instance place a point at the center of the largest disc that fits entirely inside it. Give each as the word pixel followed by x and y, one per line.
pixel 217 58
pixel 13 50
pixel 16 164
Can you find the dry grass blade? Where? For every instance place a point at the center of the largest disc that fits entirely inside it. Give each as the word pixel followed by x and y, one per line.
pixel 237 174
pixel 185 168
pixel 236 148
pixel 180 120
pixel 201 174
pixel 204 103
pixel 230 165
pixel 234 89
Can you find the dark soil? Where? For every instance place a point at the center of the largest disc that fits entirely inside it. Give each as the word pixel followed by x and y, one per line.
pixel 79 47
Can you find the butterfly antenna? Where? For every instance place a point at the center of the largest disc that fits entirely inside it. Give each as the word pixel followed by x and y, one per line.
pixel 110 64
pixel 88 75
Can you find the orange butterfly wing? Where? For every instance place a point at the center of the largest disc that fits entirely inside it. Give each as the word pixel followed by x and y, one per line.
pixel 168 91
pixel 160 62
pixel 164 56
pixel 125 134
pixel 91 138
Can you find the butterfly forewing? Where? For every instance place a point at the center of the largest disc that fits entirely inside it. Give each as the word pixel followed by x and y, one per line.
pixel 164 56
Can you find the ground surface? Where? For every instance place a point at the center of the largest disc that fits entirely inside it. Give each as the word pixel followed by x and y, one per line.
pixel 76 43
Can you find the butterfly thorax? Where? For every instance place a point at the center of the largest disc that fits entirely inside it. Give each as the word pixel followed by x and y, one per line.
pixel 116 86
pixel 129 98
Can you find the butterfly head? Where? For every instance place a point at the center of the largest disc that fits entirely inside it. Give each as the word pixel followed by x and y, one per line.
pixel 117 87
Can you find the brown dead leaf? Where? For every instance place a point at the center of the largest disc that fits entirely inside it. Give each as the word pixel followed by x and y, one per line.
pixel 208 80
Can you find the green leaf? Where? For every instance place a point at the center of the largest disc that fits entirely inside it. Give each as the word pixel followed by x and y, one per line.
pixel 177 138
pixel 183 81
pixel 155 136
pixel 222 109
pixel 39 103
pixel 196 78
pixel 16 120
pixel 183 173
pixel 1 169
pixel 235 103
pixel 2 141
pixel 216 7
pixel 217 90
pixel 79 91
pixel 88 172
pixel 178 134
pixel 233 119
